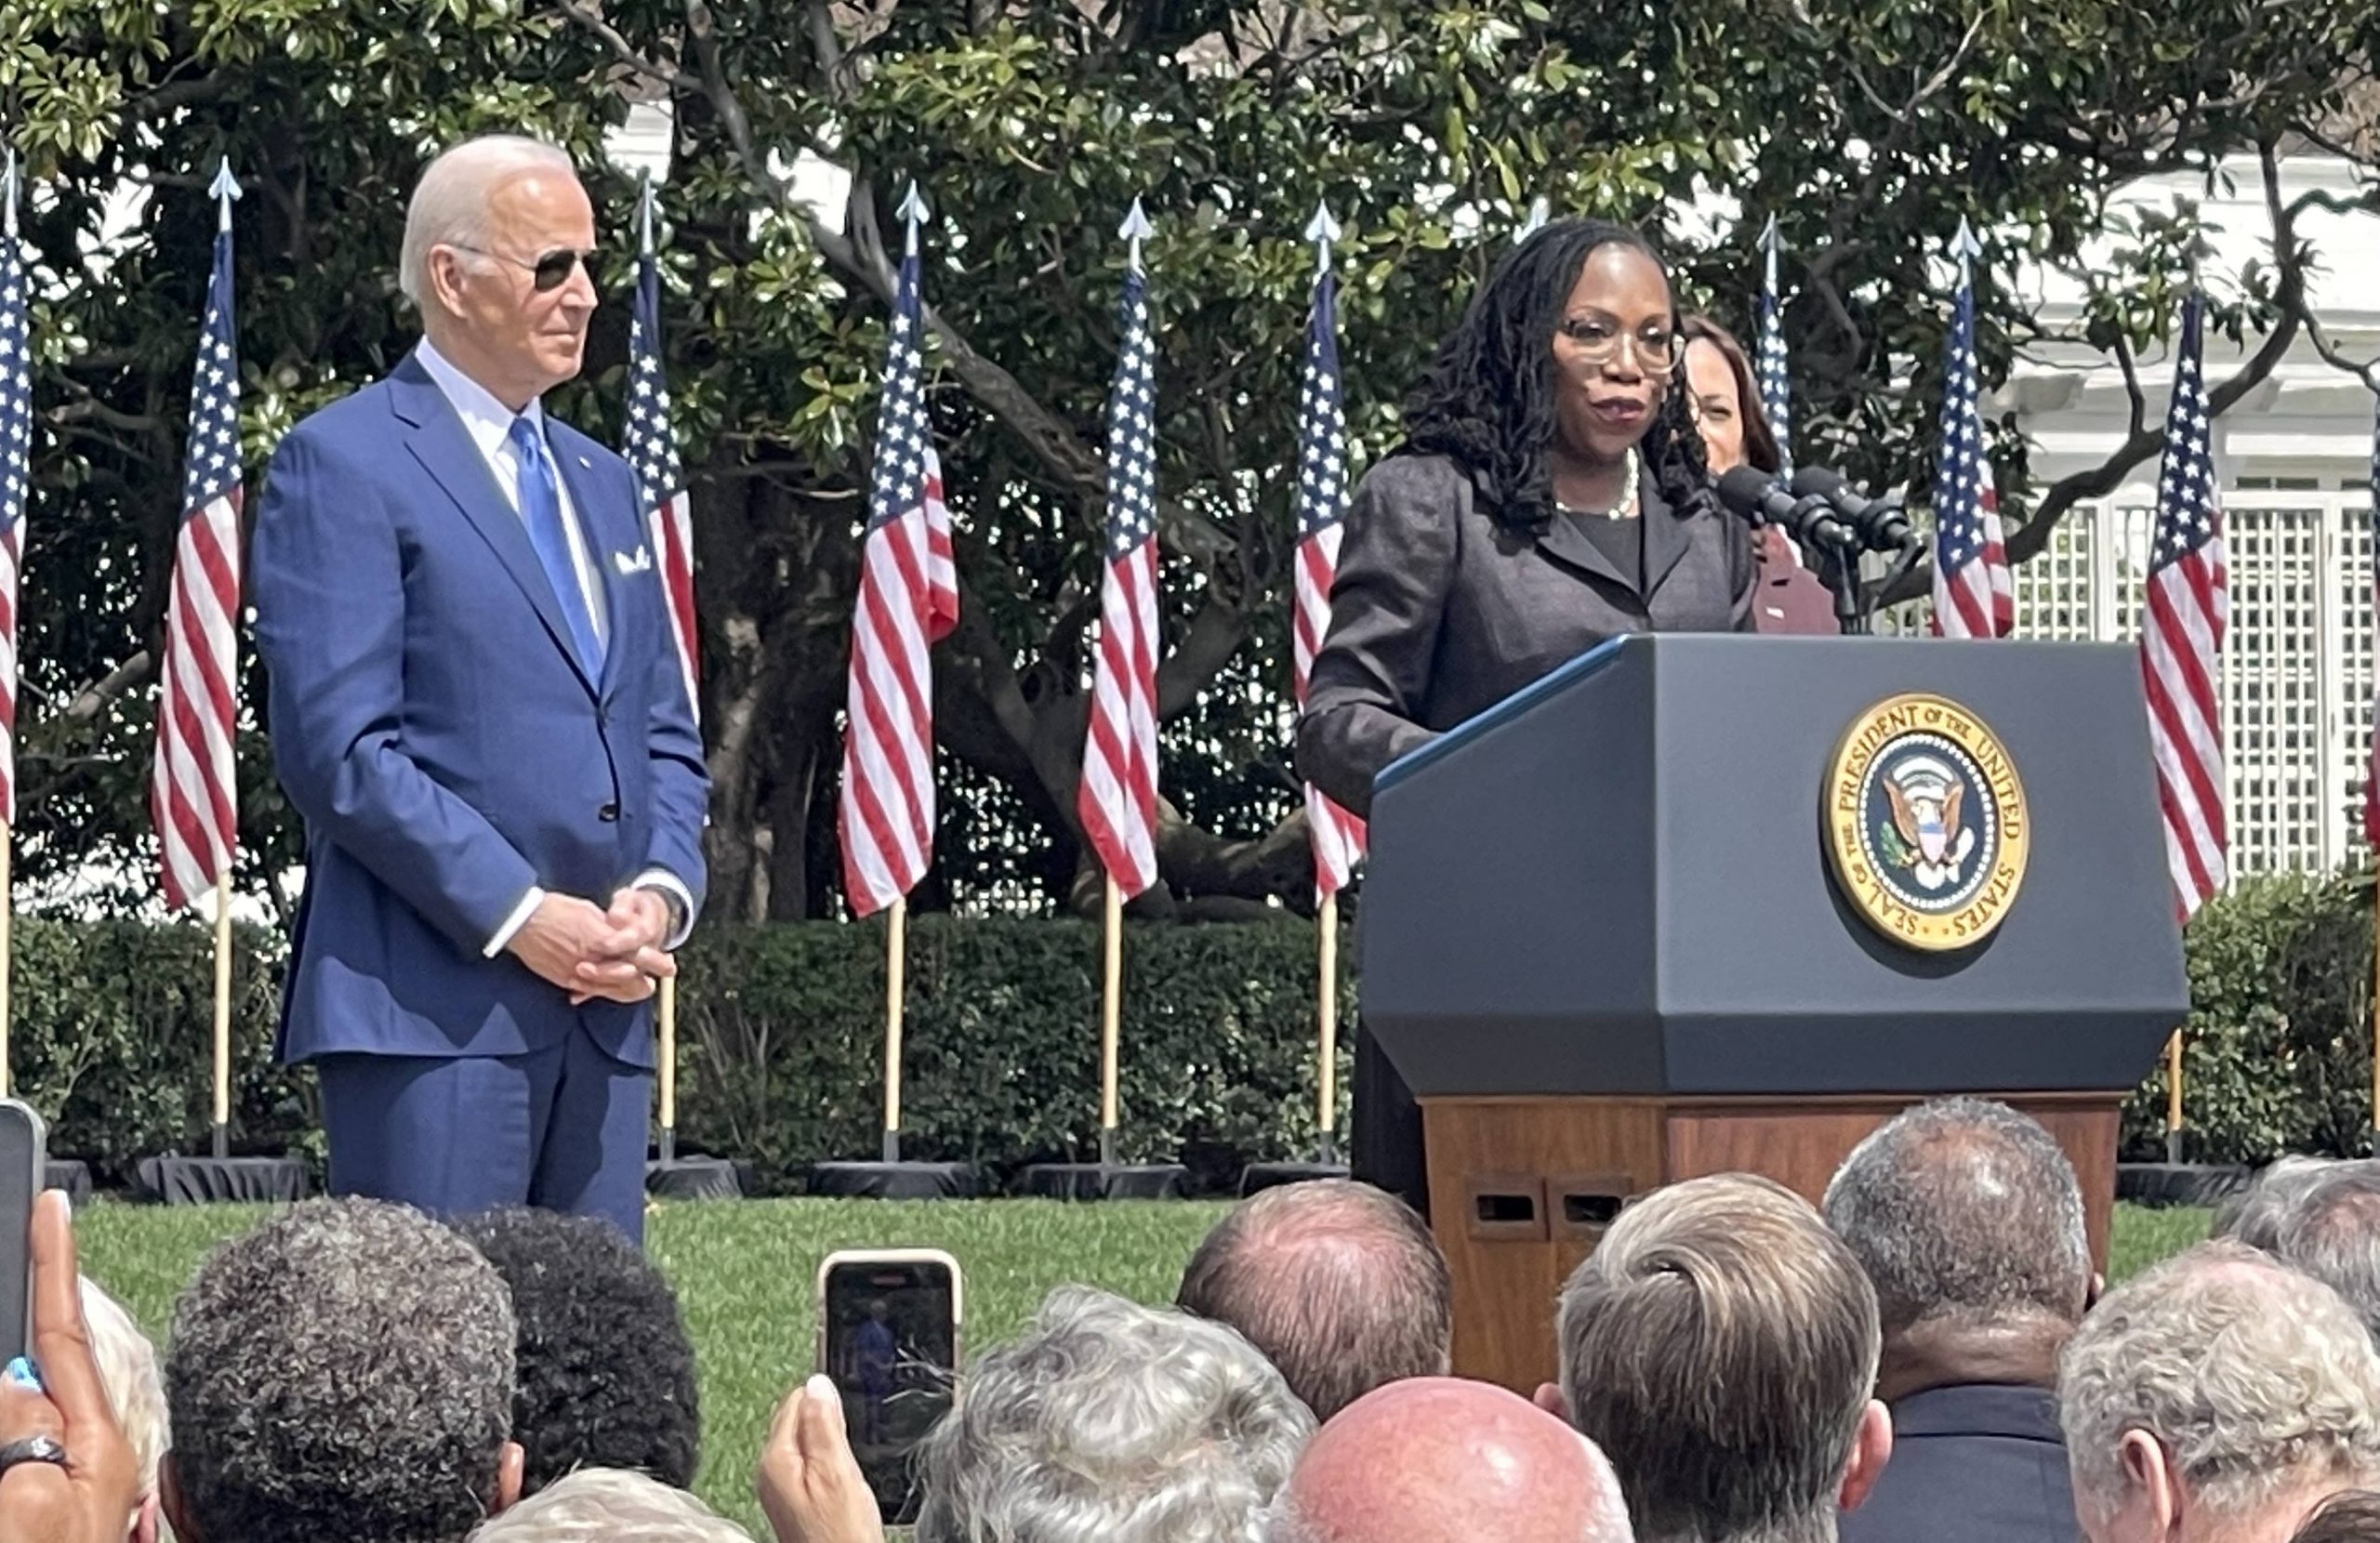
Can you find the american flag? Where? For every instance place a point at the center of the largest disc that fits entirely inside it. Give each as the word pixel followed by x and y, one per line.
pixel 191 793
pixel 909 599
pixel 2181 638
pixel 1768 364
pixel 651 450
pixel 1973 594
pixel 1322 512
pixel 2372 776
pixel 16 472
pixel 1118 799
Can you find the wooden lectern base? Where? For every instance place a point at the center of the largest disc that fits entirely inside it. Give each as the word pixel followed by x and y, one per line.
pixel 1522 1188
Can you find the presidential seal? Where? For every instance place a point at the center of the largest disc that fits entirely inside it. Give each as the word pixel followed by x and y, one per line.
pixel 1925 823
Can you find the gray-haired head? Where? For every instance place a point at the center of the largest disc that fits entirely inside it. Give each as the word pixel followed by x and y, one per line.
pixel 1338 1283
pixel 2251 1383
pixel 611 1505
pixel 2332 1232
pixel 343 1371
pixel 1109 1422
pixel 450 203
pixel 2256 1214
pixel 1965 1212
pixel 1720 1345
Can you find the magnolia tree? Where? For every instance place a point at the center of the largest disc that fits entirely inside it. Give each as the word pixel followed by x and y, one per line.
pixel 1868 127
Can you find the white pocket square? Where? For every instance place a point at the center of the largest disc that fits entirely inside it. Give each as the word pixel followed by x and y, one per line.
pixel 631 563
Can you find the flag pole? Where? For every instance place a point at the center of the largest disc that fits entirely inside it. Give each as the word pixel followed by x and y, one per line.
pixel 666 1012
pixel 223 1012
pixel 1110 1011
pixel 1326 1084
pixel 2174 1097
pixel 896 975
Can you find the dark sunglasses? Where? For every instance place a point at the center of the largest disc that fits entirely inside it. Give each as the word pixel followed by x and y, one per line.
pixel 551 269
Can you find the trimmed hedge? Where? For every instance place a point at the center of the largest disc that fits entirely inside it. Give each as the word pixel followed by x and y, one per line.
pixel 2277 1055
pixel 111 1035
pixel 782 1027
pixel 781 1033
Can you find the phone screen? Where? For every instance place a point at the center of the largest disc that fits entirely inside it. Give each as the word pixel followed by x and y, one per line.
pixel 20 1181
pixel 891 1340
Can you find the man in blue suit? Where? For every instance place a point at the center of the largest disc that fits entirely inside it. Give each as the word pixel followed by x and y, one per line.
pixel 476 706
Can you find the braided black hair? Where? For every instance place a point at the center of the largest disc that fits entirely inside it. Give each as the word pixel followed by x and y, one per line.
pixel 1488 399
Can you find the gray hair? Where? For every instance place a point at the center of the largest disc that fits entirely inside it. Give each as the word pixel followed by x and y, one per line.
pixel 345 1370
pixel 2332 1233
pixel 1338 1284
pixel 611 1505
pixel 1720 1346
pixel 1963 1210
pixel 2257 1379
pixel 127 1363
pixel 2255 1215
pixel 449 206
pixel 1109 1422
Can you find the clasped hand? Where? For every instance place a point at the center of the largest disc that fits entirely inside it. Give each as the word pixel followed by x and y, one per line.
pixel 591 952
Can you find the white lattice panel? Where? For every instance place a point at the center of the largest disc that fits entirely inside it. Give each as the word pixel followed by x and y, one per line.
pixel 2297 671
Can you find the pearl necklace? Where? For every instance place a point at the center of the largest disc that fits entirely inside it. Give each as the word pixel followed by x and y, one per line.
pixel 1626 506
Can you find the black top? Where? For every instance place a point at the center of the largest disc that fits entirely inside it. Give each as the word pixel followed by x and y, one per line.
pixel 1621 541
pixel 1972 1463
pixel 1440 610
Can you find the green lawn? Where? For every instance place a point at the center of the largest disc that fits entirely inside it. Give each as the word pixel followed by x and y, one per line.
pixel 746 1273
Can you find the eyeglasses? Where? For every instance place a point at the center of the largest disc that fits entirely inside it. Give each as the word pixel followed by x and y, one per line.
pixel 1598 342
pixel 551 269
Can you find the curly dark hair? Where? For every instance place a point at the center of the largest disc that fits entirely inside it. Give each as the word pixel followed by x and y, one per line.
pixel 344 1370
pixel 1488 399
pixel 605 1369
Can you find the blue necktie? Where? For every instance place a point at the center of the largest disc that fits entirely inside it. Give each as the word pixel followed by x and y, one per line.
pixel 541 511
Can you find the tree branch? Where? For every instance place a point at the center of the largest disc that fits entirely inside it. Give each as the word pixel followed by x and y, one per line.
pixel 623 53
pixel 88 701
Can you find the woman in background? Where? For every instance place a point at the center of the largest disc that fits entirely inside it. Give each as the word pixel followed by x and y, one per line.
pixel 1727 410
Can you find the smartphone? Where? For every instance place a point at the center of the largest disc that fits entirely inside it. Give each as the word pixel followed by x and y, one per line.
pixel 22 1171
pixel 887 1335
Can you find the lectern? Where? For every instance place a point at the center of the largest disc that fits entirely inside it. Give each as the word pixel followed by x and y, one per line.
pixel 1704 903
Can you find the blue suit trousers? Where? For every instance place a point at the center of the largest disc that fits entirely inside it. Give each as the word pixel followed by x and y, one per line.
pixel 561 1127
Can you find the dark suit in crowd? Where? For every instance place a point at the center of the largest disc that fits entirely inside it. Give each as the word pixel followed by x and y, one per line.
pixel 1972 1463
pixel 1441 611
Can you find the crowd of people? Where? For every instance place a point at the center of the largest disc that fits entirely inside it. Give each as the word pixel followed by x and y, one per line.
pixel 1928 1355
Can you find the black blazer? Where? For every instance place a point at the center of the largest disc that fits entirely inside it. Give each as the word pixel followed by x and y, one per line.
pixel 1439 611
pixel 1972 1463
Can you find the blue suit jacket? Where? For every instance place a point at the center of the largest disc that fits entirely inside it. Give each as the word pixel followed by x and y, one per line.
pixel 431 722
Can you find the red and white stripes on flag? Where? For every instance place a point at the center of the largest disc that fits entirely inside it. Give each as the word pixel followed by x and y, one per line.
pixel 16 472
pixel 2181 635
pixel 651 448
pixel 1338 836
pixel 192 794
pixel 1975 594
pixel 908 599
pixel 1118 799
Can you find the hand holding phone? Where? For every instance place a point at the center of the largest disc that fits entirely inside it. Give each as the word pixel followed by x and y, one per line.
pixel 888 1340
pixel 91 1495
pixel 811 1487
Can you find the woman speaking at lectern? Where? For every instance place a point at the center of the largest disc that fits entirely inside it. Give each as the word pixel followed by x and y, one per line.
pixel 1550 493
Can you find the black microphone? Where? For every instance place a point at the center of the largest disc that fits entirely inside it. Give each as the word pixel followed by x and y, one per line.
pixel 1753 495
pixel 1880 523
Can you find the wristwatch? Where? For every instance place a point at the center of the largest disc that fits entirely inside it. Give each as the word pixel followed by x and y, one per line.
pixel 671 904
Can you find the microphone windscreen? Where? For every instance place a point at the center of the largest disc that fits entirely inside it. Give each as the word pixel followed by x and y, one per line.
pixel 1817 482
pixel 1746 490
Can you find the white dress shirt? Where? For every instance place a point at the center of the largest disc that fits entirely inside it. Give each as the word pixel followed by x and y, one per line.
pixel 489 423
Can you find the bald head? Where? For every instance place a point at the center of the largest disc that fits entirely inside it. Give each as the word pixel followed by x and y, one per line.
pixel 1437 1460
pixel 1338 1284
